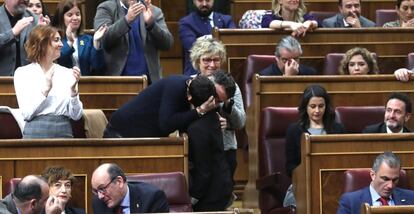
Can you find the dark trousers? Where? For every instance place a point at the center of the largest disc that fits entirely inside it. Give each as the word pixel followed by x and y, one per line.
pixel 110 132
pixel 231 158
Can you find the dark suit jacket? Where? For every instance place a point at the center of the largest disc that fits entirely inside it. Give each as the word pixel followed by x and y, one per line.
pixel 273 70
pixel 380 128
pixel 350 202
pixel 193 26
pixel 144 198
pixel 338 22
pixel 116 40
pixel 210 179
pixel 90 59
pixel 8 42
pixel 7 205
pixel 293 137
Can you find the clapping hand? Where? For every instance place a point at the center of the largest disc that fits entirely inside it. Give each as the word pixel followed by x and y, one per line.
pixel 76 74
pixel 97 37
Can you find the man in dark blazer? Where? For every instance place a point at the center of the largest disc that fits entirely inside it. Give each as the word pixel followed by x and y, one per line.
pixel 288 52
pixel 113 194
pixel 382 190
pixel 31 196
pixel 135 35
pixel 200 23
pixel 15 25
pixel 211 183
pixel 397 113
pixel 349 16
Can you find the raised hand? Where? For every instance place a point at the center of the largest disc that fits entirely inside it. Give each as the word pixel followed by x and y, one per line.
pixel 291 68
pixel 43 20
pixel 70 35
pixel 134 10
pixel 21 25
pixel 53 205
pixel 353 20
pixel 148 18
pixel 48 80
pixel 76 75
pixel 98 36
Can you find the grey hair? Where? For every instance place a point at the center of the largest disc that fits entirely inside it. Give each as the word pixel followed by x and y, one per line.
pixel 206 46
pixel 389 158
pixel 290 44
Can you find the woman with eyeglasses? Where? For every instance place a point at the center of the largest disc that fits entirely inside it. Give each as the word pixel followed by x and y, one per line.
pixel 60 182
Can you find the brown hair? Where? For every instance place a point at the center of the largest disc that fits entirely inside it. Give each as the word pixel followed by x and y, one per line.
pixel 366 55
pixel 55 173
pixel 59 18
pixel 39 39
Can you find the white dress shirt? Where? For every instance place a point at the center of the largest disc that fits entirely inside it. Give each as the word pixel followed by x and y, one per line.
pixel 29 81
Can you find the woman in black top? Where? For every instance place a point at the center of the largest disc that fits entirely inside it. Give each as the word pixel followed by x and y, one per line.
pixel 316 116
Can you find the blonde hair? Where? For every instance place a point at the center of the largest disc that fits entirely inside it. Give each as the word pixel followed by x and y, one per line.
pixel 366 55
pixel 277 10
pixel 206 46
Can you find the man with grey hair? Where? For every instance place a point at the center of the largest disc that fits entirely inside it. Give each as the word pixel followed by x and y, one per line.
pixel 31 196
pixel 15 25
pixel 382 191
pixel 287 53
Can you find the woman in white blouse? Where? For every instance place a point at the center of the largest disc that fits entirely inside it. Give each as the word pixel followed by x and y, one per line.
pixel 47 93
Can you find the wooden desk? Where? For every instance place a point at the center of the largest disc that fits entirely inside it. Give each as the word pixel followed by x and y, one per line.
pixel 368 90
pixel 387 209
pixel 96 92
pixel 319 179
pixel 134 155
pixel 391 45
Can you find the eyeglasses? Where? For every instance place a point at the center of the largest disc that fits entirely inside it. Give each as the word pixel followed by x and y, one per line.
pixel 102 190
pixel 207 61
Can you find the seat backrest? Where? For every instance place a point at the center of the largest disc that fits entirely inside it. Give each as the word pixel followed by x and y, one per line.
pixel 332 62
pixel 356 118
pixel 173 184
pixel 9 129
pixel 321 15
pixel 359 178
pixel 383 16
pixel 274 122
pixel 252 19
pixel 11 185
pixel 255 64
pixel 411 60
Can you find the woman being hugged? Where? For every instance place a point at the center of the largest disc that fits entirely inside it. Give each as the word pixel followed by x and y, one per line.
pixel 289 15
pixel 316 117
pixel 47 93
pixel 81 50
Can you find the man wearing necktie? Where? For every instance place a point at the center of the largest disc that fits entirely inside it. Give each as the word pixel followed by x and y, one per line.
pixel 197 24
pixel 382 191
pixel 114 195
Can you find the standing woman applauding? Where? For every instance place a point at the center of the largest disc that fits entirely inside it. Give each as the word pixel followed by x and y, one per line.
pixel 47 93
pixel 81 50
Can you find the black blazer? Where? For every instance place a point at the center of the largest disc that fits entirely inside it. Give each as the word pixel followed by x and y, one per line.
pixel 210 179
pixel 293 137
pixel 74 210
pixel 273 70
pixel 380 128
pixel 144 198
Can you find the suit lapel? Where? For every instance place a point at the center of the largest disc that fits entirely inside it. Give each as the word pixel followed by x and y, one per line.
pixel 143 29
pixel 134 199
pixel 81 47
pixel 399 198
pixel 366 196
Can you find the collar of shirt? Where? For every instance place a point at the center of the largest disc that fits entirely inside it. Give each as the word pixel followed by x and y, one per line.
pixel 390 132
pixel 123 5
pixel 211 19
pixel 125 203
pixel 346 24
pixel 375 196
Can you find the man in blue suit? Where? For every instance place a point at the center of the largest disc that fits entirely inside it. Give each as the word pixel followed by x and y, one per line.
pixel 113 194
pixel 200 23
pixel 382 191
